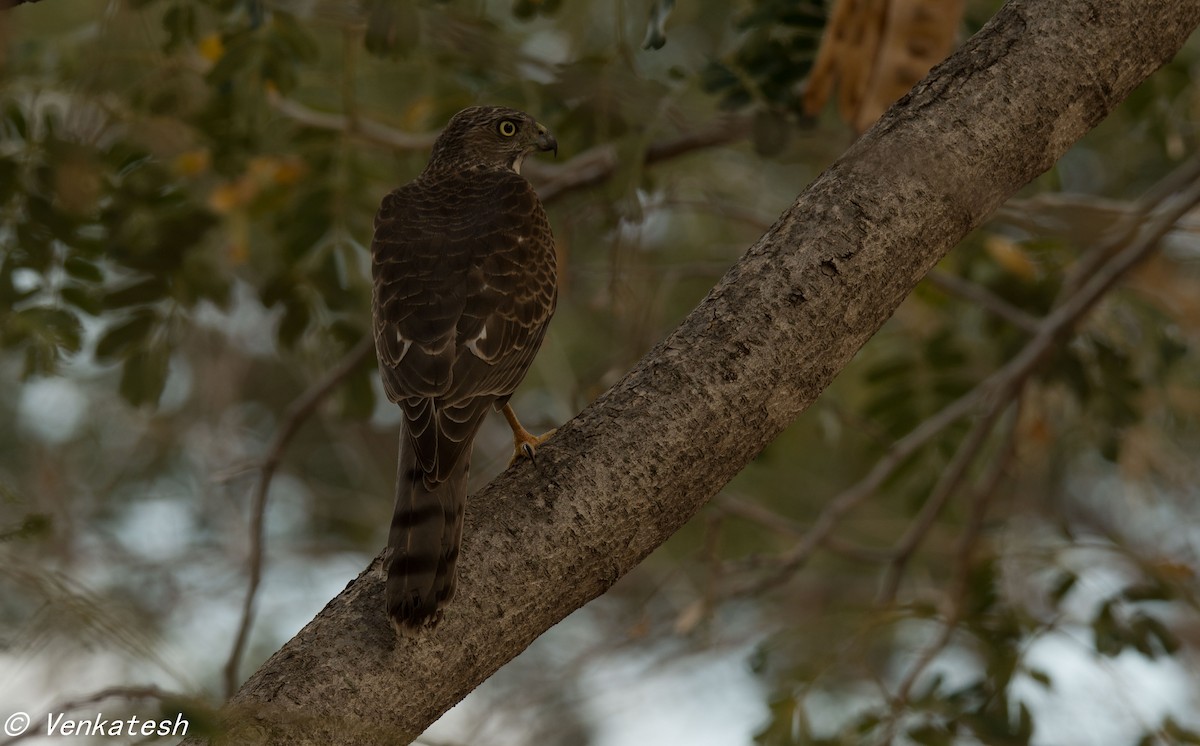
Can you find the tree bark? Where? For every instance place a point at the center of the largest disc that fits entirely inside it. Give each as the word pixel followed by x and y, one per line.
pixel 632 468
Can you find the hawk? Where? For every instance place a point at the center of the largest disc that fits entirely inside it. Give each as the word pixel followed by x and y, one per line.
pixel 464 286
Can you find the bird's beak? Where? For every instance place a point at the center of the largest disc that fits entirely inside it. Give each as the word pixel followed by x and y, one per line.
pixel 545 141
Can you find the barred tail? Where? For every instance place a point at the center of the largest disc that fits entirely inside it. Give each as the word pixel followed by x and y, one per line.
pixel 424 540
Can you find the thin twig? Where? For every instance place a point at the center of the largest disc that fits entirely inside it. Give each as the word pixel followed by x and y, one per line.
pixel 364 129
pixel 961 583
pixel 297 412
pixel 1131 224
pixel 947 484
pixel 789 529
pixel 586 169
pixel 599 163
pixel 832 515
pixel 983 298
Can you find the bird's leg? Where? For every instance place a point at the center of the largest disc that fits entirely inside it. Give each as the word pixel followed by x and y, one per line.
pixel 525 443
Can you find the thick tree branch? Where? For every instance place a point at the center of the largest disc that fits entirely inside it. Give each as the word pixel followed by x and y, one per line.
pixel 636 465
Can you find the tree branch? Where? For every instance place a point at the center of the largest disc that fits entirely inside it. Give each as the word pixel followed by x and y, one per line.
pixel 364 129
pixel 586 169
pixel 620 478
pixel 983 298
pixel 594 166
pixel 960 584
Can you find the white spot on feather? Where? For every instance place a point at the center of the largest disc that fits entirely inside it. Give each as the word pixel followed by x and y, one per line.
pixel 473 345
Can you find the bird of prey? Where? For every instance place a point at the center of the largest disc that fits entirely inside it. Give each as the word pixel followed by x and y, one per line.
pixel 465 283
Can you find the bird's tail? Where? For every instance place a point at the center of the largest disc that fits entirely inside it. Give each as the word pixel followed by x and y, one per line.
pixel 424 540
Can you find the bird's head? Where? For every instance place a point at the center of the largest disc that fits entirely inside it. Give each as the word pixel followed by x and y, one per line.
pixel 493 136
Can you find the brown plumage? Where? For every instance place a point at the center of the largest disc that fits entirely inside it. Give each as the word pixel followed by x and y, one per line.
pixel 464 287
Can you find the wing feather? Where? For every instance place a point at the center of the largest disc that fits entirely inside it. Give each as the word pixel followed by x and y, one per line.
pixel 464 287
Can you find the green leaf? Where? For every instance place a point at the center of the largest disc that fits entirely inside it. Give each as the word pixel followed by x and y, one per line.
pixel 42 212
pixel 357 396
pixel 716 77
pixel 1040 677
pixel 14 118
pixel 1179 733
pixel 1148 592
pixel 1150 629
pixel 393 28
pixel 144 375
pixel 1024 724
pixel 146 290
pixel 202 277
pixel 180 24
pixel 293 40
pixel 294 322
pixel 527 9
pixel 35 242
pixel 242 53
pixel 1108 636
pixel 931 735
pixel 56 327
pixel 40 359
pixel 1066 581
pixel 10 179
pixel 120 339
pixel 33 526
pixel 277 289
pixel 656 31
pixel 83 297
pixel 82 269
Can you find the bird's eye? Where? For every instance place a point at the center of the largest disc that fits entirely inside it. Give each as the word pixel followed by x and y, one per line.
pixel 508 128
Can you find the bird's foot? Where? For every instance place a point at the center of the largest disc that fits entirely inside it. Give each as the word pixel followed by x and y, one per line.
pixel 525 443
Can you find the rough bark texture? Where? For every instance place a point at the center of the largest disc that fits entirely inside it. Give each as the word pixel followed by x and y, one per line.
pixel 636 465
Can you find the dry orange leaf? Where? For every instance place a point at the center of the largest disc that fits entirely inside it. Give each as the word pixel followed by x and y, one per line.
pixel 876 50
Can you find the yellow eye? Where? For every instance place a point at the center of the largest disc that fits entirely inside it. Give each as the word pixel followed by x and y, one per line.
pixel 507 127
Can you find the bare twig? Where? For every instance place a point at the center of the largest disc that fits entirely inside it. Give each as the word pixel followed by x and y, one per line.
pixel 1131 224
pixel 586 169
pixel 947 484
pixel 787 528
pixel 836 510
pixel 594 166
pixel 983 298
pixel 297 412
pixel 961 582
pixel 353 125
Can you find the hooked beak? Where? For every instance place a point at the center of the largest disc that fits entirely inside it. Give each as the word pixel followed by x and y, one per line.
pixel 545 141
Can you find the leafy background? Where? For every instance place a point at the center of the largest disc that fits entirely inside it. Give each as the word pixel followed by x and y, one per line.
pixel 186 196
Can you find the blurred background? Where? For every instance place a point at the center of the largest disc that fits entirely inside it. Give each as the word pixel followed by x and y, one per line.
pixel 190 415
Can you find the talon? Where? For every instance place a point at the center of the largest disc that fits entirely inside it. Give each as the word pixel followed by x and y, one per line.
pixel 525 443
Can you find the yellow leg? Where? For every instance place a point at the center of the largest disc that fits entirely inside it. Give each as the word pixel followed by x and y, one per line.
pixel 525 443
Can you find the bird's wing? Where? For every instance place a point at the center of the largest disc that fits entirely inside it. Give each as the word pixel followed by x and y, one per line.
pixel 464 286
